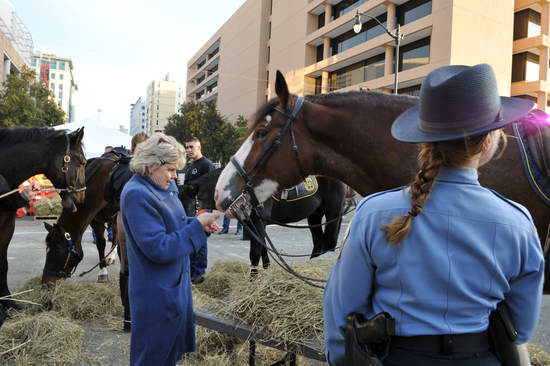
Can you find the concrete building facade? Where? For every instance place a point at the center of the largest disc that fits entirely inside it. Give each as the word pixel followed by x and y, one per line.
pixel 160 104
pixel 138 117
pixel 57 74
pixel 16 43
pixel 312 42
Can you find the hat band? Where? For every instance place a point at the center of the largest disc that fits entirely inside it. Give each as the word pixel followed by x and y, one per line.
pixel 457 126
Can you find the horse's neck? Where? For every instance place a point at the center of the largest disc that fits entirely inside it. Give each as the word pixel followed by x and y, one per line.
pixel 352 142
pixel 21 161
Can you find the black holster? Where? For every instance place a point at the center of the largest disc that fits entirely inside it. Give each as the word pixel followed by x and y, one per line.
pixel 368 342
pixel 503 333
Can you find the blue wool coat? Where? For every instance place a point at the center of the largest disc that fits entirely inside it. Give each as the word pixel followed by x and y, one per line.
pixel 160 238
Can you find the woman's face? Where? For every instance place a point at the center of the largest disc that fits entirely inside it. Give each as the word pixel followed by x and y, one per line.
pixel 163 175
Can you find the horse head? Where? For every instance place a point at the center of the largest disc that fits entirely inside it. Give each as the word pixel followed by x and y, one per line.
pixel 272 157
pixel 62 255
pixel 68 169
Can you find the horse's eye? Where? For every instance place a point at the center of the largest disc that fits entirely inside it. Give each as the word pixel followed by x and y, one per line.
pixel 260 134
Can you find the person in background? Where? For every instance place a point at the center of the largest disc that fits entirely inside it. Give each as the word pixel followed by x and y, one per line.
pixel 441 253
pixel 108 148
pixel 199 166
pixel 227 222
pixel 160 238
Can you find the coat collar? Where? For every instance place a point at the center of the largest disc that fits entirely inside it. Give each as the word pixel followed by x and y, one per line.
pixel 465 176
pixel 160 193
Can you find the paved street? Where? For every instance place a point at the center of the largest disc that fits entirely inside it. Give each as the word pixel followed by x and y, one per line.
pixel 27 253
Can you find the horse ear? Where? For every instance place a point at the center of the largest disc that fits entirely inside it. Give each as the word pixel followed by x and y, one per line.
pixel 281 88
pixel 48 227
pixel 76 136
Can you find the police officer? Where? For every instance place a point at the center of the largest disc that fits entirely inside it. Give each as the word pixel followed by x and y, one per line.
pixel 199 166
pixel 441 253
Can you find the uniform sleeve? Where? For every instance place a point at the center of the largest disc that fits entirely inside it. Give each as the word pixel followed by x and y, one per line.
pixel 525 295
pixel 152 238
pixel 348 289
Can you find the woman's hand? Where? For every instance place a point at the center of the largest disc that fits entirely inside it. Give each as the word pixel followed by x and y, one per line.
pixel 208 221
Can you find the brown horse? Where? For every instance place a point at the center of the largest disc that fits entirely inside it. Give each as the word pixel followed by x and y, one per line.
pixel 29 151
pixel 347 136
pixel 65 251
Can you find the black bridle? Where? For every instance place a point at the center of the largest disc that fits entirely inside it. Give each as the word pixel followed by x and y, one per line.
pixel 63 273
pixel 242 205
pixel 65 169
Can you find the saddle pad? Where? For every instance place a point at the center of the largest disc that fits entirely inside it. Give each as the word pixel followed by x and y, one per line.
pixel 303 190
pixel 533 136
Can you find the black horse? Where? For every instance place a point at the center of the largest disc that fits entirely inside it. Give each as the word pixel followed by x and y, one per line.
pixel 29 151
pixel 327 202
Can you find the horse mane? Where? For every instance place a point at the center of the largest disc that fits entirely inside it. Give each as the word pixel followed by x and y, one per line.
pixel 337 99
pixel 10 136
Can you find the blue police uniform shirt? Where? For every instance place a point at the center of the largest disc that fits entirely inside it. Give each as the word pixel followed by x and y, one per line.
pixel 469 249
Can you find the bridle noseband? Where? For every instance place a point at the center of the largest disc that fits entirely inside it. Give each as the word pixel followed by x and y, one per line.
pixel 243 204
pixel 70 250
pixel 65 169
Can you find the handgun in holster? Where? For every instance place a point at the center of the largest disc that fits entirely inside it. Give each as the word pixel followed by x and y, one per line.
pixel 503 334
pixel 368 342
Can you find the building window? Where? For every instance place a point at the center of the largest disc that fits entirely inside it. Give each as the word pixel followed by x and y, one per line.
pixel 411 90
pixel 52 75
pixel 413 10
pixel 525 67
pixel 345 6
pixel 60 95
pixel 414 54
pixel 318 85
pixel 60 76
pixel 526 24
pixel 59 103
pixel 33 61
pixel 60 86
pixel 321 20
pixel 61 65
pixel 320 53
pixel 53 64
pixel 347 40
pixel 52 86
pixel 369 69
pixel 269 31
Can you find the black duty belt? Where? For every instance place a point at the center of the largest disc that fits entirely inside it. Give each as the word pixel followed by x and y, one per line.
pixel 444 343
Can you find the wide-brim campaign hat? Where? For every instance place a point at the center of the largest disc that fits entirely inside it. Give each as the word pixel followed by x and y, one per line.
pixel 458 101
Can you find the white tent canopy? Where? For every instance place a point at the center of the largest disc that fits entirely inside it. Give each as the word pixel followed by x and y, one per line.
pixel 97 137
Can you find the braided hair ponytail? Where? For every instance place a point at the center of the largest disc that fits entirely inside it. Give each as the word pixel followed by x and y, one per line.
pixel 431 158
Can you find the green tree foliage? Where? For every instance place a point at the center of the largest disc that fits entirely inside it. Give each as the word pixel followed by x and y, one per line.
pixel 219 138
pixel 25 102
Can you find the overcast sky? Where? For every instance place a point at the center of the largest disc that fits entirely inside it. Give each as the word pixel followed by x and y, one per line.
pixel 119 46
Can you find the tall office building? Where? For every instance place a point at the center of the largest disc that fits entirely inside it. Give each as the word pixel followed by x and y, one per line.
pixel 160 104
pixel 56 73
pixel 138 117
pixel 15 41
pixel 313 43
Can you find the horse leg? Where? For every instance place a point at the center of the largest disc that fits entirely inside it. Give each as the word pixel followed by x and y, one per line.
pixel 333 207
pixel 319 244
pixel 98 228
pixel 118 235
pixel 7 223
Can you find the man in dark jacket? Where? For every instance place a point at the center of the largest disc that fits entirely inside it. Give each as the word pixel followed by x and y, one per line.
pixel 199 166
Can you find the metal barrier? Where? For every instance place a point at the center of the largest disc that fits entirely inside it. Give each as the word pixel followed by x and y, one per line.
pixel 308 349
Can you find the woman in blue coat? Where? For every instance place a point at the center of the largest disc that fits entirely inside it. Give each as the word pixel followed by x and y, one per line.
pixel 160 238
pixel 440 254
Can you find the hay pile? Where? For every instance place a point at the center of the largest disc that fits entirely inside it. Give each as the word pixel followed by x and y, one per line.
pixel 78 301
pixel 42 339
pixel 223 277
pixel 48 207
pixel 279 305
pixel 539 357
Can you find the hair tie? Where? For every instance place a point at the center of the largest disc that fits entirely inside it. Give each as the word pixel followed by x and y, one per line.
pixel 415 210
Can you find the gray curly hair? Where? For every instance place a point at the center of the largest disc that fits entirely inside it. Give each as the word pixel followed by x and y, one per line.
pixel 157 150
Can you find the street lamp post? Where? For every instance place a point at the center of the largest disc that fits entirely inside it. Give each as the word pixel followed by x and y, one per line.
pixel 397 37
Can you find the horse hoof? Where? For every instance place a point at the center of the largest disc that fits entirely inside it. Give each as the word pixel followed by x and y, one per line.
pixel 253 273
pixel 103 278
pixel 266 266
pixel 109 261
